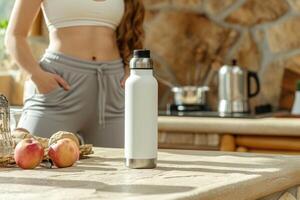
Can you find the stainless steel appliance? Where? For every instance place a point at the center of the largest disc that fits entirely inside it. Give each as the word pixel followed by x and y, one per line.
pixel 235 89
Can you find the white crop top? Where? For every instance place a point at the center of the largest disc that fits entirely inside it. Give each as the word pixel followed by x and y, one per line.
pixel 66 13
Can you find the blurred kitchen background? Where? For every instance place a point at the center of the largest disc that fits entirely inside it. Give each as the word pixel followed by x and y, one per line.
pixel 186 36
pixel 190 40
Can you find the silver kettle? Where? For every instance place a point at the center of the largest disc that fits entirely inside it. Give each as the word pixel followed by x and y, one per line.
pixel 235 89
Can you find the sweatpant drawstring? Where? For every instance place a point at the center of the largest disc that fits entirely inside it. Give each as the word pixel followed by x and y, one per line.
pixel 101 95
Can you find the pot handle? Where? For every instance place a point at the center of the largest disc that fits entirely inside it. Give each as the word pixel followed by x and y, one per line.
pixel 254 76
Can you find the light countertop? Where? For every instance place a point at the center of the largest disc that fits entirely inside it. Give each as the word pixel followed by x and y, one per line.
pixel 179 175
pixel 260 126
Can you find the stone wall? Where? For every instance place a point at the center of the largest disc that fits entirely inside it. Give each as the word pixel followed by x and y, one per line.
pixel 186 36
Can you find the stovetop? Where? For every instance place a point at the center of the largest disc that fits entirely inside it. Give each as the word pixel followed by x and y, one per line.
pixel 217 114
pixel 261 111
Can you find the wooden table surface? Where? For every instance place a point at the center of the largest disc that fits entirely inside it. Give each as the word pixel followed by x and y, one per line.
pixel 179 175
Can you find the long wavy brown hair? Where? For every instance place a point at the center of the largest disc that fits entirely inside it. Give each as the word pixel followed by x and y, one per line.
pixel 130 33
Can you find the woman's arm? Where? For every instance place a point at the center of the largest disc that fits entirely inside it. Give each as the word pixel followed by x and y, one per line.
pixel 22 17
pixel 21 20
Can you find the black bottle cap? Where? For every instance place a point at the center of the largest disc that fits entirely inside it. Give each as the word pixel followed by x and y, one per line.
pixel 141 53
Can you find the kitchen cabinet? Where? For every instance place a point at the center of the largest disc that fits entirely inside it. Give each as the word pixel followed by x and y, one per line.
pixel 279 134
pixel 188 140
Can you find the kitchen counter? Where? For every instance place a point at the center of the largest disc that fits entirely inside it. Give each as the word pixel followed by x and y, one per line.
pixel 180 175
pixel 241 126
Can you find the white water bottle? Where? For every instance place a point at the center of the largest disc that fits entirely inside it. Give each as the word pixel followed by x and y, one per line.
pixel 141 112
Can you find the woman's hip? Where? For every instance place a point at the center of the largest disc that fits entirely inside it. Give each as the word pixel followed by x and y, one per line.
pixel 92 84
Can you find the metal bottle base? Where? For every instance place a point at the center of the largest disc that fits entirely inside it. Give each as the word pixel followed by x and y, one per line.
pixel 141 163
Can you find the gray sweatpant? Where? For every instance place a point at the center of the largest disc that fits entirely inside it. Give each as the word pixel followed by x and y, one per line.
pixel 93 107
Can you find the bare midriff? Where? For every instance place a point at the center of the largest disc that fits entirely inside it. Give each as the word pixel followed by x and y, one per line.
pixel 91 43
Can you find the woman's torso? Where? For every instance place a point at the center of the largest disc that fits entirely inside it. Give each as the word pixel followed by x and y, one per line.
pixel 85 29
pixel 86 42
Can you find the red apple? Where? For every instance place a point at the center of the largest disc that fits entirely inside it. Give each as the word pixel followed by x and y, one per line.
pixel 29 153
pixel 64 153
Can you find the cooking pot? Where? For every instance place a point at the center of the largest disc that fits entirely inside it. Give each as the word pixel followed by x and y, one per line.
pixel 190 95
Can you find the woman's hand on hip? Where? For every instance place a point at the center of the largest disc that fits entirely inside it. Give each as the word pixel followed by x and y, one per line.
pixel 47 82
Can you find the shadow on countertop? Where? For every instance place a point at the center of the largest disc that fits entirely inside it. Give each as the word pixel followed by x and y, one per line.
pixel 98 186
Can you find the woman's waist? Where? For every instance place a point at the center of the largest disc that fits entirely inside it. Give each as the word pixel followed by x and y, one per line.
pixel 87 52
pixel 60 61
pixel 85 47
